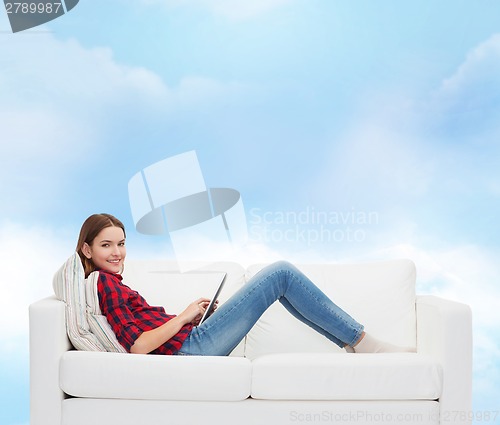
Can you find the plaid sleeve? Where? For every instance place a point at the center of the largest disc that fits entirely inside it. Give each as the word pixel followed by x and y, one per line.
pixel 113 302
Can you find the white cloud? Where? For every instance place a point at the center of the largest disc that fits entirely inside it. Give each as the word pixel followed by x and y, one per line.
pixel 29 257
pixel 61 102
pixel 58 102
pixel 53 91
pixel 464 273
pixel 62 93
pixel 403 153
pixel 467 103
pixel 381 157
pixel 413 147
pixel 233 10
pixel 475 83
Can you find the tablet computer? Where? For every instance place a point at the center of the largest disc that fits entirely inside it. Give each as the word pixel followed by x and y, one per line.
pixel 210 308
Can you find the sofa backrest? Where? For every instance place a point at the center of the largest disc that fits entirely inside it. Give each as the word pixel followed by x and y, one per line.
pixel 161 283
pixel 379 295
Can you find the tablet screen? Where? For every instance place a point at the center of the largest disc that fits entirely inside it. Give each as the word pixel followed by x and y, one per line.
pixel 210 308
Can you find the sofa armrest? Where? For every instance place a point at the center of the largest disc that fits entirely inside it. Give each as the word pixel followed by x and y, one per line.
pixel 444 331
pixel 48 340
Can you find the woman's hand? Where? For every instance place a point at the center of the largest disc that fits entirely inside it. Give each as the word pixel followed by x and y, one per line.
pixel 197 320
pixel 150 340
pixel 194 311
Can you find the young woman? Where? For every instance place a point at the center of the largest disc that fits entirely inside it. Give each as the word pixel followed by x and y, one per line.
pixel 142 328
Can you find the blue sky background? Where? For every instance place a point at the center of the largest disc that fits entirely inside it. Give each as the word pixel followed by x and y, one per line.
pixel 382 107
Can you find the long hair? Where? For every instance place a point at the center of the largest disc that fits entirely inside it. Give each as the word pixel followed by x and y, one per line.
pixel 90 229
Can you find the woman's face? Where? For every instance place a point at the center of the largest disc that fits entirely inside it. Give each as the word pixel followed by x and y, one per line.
pixel 107 250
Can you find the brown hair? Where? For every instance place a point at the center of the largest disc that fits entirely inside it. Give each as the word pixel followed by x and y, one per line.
pixel 90 229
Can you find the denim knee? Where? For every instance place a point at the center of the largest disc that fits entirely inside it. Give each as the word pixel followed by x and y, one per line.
pixel 283 265
pixel 284 272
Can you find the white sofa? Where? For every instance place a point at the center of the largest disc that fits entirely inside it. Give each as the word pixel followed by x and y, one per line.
pixel 281 373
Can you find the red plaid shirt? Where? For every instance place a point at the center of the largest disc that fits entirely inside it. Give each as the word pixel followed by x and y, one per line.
pixel 130 315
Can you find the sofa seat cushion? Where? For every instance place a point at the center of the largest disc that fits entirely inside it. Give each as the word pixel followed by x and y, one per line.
pixel 154 377
pixel 323 376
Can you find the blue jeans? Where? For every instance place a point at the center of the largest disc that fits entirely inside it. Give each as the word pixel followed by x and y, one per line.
pixel 227 326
